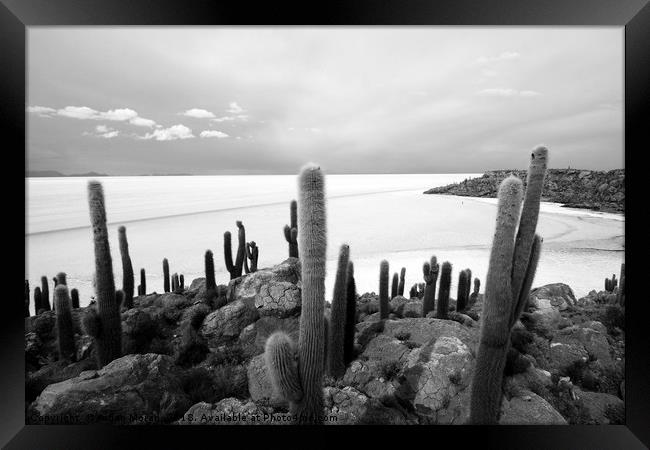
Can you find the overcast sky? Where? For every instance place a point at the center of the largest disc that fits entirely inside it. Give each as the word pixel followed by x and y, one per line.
pixel 355 100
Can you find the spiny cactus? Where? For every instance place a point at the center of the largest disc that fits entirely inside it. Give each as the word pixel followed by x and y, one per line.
pixel 463 291
pixel 620 295
pixel 143 282
pixel 108 341
pixel 402 275
pixel 165 275
pixel 384 307
pixel 38 302
pixel 474 295
pixel 235 269
pixel 421 288
pixel 291 232
pixel 350 315
pixel 413 293
pixel 181 280
pixel 175 283
pixel 336 353
pixel 302 385
pixel 252 253
pixel 210 282
pixel 127 269
pixel 45 294
pixel 430 272
pixel 394 286
pixel 512 267
pixel 64 324
pixel 74 297
pixel 60 279
pixel 443 291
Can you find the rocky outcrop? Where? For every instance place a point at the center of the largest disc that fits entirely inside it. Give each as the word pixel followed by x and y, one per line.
pixel 590 189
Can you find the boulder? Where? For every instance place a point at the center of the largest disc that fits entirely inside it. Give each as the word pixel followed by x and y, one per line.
pixel 603 409
pixel 253 337
pixel 589 341
pixel 369 379
pixel 274 291
pixel 397 305
pixel 122 392
pixel 412 308
pixel 225 324
pixel 259 384
pixel 229 411
pixel 348 406
pixel 557 295
pixel 529 409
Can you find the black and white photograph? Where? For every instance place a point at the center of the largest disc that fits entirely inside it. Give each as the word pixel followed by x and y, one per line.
pixel 338 225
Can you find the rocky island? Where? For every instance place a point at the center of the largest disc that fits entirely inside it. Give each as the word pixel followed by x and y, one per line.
pixel 589 189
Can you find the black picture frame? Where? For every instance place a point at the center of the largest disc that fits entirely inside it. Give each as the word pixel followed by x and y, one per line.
pixel 634 15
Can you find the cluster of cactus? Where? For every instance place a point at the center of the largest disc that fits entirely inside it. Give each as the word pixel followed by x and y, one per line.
pixel 142 287
pixel 430 272
pixel 178 283
pixel 511 270
pixel 417 290
pixel 103 323
pixel 297 374
pixel 127 269
pixel 235 269
pixel 252 254
pixel 611 283
pixel 464 288
pixel 291 231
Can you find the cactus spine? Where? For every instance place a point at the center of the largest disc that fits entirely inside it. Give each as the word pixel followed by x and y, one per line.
pixel 430 272
pixel 45 294
pixel 513 262
pixel 383 290
pixel 350 315
pixel 108 340
pixel 443 291
pixel 291 232
pixel 402 275
pixel 336 351
pixel 128 279
pixel 303 387
pixel 165 275
pixel 252 253
pixel 463 290
pixel 64 324
pixel 74 297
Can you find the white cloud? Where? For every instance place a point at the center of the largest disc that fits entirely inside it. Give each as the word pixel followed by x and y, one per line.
pixel 42 111
pixel 142 122
pixel 110 134
pixel 198 113
pixel 213 133
pixel 234 108
pixel 503 56
pixel 118 115
pixel 231 118
pixel 170 134
pixel 101 128
pixel 506 92
pixel 78 112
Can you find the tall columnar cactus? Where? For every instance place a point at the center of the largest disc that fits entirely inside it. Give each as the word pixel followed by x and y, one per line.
pixel 336 355
pixel 474 295
pixel 384 307
pixel 143 282
pixel 291 232
pixel 175 282
pixel 38 302
pixel 74 297
pixel 235 269
pixel 512 267
pixel 107 322
pixel 302 384
pixel 27 314
pixel 430 272
pixel 166 275
pixel 128 279
pixel 61 278
pixel 463 289
pixel 45 294
pixel 350 315
pixel 443 291
pixel 394 286
pixel 181 280
pixel 402 280
pixel 413 293
pixel 252 253
pixel 64 324
pixel 620 295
